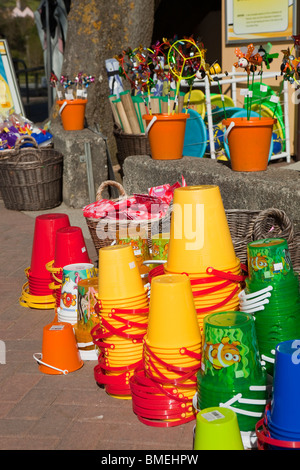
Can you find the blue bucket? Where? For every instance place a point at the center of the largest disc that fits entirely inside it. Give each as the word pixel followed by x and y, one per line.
pixel 284 416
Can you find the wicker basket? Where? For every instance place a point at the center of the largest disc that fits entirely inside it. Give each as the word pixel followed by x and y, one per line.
pixel 31 177
pixel 103 233
pixel 246 226
pixel 130 144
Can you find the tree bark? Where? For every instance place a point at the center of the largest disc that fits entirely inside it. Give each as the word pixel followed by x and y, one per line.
pixel 99 30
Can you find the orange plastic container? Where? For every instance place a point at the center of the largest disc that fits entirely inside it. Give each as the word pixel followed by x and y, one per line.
pixel 72 114
pixel 60 354
pixel 249 142
pixel 166 135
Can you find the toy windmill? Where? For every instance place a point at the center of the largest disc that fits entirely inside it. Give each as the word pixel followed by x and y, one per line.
pixel 184 59
pixel 248 58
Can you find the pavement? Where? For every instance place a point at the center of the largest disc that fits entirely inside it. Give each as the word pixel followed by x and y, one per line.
pixel 58 412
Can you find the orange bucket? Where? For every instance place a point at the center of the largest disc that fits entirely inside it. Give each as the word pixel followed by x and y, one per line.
pixel 249 142
pixel 72 114
pixel 60 353
pixel 166 134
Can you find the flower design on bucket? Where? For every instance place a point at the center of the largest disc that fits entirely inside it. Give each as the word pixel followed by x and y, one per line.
pixel 69 299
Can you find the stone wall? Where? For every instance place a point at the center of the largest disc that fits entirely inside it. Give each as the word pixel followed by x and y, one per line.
pixel 77 187
pixel 276 187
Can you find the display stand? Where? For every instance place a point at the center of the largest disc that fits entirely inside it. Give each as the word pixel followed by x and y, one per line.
pixel 232 78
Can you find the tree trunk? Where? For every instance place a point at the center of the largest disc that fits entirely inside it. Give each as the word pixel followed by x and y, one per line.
pixel 99 30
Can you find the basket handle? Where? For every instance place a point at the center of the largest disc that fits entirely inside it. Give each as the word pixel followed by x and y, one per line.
pixel 21 141
pixel 107 183
pixel 256 226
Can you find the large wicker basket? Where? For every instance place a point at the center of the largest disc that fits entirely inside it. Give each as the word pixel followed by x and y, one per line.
pixel 130 144
pixel 31 177
pixel 104 232
pixel 246 226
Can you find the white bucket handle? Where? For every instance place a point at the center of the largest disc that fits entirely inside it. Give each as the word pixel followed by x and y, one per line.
pixel 150 124
pixel 243 295
pixel 65 372
pixel 251 305
pixel 254 414
pixel 231 125
pixel 238 398
pixel 267 359
pixel 62 107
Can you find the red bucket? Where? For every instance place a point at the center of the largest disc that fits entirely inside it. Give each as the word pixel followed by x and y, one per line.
pixel 70 247
pixel 43 247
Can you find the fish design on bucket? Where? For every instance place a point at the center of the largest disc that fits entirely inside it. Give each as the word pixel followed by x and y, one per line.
pixel 259 262
pixel 223 354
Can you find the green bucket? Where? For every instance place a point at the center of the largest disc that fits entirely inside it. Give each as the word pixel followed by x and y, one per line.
pixel 269 261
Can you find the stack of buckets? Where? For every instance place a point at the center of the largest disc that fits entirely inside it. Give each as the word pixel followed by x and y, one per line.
pixel 71 266
pixel 37 292
pixel 164 384
pixel 69 248
pixel 87 317
pixel 201 246
pixel 231 374
pixel 281 422
pixel 72 275
pixel 271 295
pixel 55 244
pixel 123 317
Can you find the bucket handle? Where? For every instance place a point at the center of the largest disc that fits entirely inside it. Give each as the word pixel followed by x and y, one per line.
pixel 62 107
pixel 251 305
pixel 231 125
pixel 264 437
pixel 65 372
pixel 150 124
pixel 238 398
pixel 267 359
pixel 256 293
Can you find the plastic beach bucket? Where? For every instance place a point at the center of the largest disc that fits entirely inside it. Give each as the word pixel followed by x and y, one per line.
pixel 70 247
pixel 172 316
pixel 249 142
pixel 166 134
pixel 217 428
pixel 72 113
pixel 160 245
pixel 269 261
pixel 60 354
pixel 199 233
pixel 72 274
pixel 119 275
pixel 43 247
pixel 285 409
pixel 244 113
